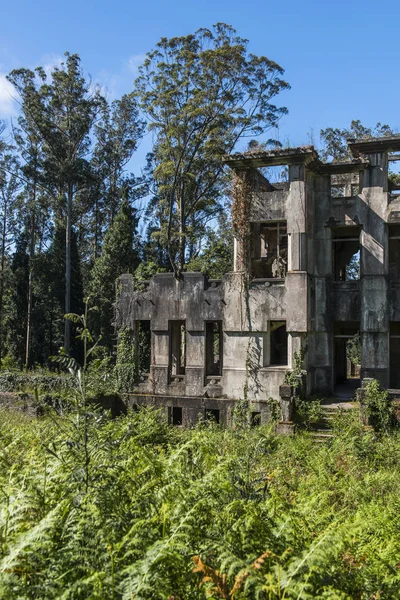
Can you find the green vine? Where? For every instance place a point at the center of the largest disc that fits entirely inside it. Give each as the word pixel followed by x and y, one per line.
pixel 241 193
pixel 295 376
pixel 126 367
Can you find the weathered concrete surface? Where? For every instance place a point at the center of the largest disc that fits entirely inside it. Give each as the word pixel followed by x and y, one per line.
pixel 314 295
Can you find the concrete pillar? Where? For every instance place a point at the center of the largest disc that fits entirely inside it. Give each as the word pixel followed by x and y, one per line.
pixel 374 270
pixel 297 277
pixel 321 342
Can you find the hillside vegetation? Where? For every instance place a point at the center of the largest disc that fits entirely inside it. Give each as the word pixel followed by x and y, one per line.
pixel 131 508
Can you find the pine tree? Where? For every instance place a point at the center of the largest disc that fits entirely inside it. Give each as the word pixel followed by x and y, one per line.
pixel 120 254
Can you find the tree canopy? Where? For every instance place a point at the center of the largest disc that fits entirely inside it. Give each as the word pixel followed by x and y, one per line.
pixel 201 94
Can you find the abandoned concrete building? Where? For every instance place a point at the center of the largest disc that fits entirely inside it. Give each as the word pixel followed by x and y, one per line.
pixel 323 263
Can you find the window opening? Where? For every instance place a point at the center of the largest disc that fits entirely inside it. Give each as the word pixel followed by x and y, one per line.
pixel 394 253
pixel 212 415
pixel 346 254
pixel 278 343
pixel 175 415
pixel 143 347
pixel 177 348
pixel 214 348
pixel 337 191
pixel 355 189
pixel 394 353
pixel 270 250
pixel 255 419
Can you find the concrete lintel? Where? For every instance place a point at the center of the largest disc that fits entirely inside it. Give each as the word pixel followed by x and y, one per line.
pixel 286 156
pixel 374 145
pixel 341 168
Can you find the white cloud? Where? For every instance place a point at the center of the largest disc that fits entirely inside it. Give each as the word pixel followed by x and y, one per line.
pixel 134 62
pixel 8 105
pixel 49 61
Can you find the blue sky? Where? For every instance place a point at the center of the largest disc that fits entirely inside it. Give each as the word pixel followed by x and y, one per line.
pixel 341 58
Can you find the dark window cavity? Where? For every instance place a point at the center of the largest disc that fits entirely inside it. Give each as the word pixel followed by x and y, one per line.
pixel 143 347
pixel 394 253
pixel 177 348
pixel 214 348
pixel 278 343
pixel 212 415
pixel 175 415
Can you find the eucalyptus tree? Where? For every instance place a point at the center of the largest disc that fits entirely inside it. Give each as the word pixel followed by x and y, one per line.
pixel 117 137
pixel 62 111
pixel 34 208
pixel 201 93
pixel 9 193
pixel 335 140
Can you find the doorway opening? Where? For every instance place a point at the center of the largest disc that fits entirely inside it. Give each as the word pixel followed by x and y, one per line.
pixel 394 352
pixel 347 358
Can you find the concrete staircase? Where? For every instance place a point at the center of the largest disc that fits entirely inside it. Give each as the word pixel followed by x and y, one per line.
pixel 322 430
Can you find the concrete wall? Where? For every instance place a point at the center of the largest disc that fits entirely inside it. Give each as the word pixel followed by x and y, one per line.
pixel 309 299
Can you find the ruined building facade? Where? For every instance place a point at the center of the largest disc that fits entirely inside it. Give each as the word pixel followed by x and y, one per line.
pixel 320 261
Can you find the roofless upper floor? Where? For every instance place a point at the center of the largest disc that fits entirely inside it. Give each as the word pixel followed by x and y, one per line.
pixel 361 151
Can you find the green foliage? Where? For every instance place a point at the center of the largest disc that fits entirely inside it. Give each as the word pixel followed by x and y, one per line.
pixel 308 412
pixel 295 377
pixel 126 363
pixel 353 349
pixel 200 93
pixel 119 255
pixel 217 257
pixel 335 141
pixel 45 381
pixel 145 272
pixel 275 409
pixel 379 408
pixel 131 508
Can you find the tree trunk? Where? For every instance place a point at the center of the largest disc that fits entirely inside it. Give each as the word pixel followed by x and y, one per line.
pixel 3 260
pixel 182 233
pixel 68 230
pixel 30 295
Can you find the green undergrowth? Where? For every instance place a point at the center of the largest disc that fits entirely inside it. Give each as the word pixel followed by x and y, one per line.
pixel 131 508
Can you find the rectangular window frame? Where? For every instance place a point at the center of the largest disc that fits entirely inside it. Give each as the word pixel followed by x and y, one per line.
pixel 177 350
pixel 212 371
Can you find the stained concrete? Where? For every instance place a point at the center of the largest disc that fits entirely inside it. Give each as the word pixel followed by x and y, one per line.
pixel 308 297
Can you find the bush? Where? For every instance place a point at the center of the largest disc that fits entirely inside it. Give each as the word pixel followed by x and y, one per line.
pixel 14 381
pixel 378 406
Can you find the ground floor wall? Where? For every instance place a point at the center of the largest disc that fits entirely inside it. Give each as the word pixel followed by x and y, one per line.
pixel 190 410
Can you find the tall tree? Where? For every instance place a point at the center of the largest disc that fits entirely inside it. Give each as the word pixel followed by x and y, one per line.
pixel 34 210
pixel 201 93
pixel 335 140
pixel 9 189
pixel 116 138
pixel 216 258
pixel 120 254
pixel 63 112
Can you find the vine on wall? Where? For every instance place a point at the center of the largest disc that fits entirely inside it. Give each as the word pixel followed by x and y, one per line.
pixel 241 193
